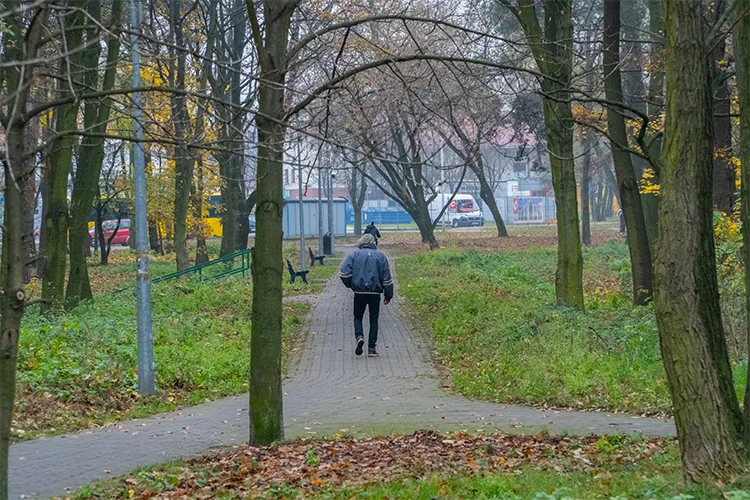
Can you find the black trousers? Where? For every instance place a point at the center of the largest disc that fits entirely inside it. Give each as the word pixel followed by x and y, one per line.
pixel 361 302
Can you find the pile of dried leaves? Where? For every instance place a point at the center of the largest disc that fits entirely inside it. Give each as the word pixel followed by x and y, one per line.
pixel 308 464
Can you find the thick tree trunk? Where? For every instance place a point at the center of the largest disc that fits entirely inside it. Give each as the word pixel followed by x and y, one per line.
pixel 357 220
pixel 266 409
pixel 627 182
pixel 742 58
pixel 588 143
pixel 53 283
pixel 686 299
pixel 20 46
pixel 13 298
pixel 91 155
pixel 426 228
pixel 183 159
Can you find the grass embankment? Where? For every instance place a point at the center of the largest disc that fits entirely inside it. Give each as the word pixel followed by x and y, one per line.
pixel 77 369
pixel 499 333
pixel 426 465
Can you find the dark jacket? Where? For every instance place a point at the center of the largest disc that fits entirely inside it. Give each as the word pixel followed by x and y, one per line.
pixel 366 271
pixel 371 229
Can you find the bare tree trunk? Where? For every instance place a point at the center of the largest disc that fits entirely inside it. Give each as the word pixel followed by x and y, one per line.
pixel 183 159
pixel 13 298
pixel 485 192
pixel 585 183
pixel 742 58
pixel 233 165
pixel 724 177
pixel 686 299
pixel 201 250
pixel 20 45
pixel 91 155
pixel 266 408
pixel 569 277
pixel 99 228
pixel 426 228
pixel 53 284
pixel 30 198
pixel 654 108
pixel 43 189
pixel 357 192
pixel 627 183
pixel 552 48
pixel 243 232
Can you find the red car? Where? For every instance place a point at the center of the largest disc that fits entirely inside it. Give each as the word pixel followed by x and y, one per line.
pixel 123 232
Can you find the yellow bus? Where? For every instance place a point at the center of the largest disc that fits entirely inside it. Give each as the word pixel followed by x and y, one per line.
pixel 213 219
pixel 213 216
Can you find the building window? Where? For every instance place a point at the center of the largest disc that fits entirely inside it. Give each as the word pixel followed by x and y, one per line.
pixel 286 176
pixel 519 167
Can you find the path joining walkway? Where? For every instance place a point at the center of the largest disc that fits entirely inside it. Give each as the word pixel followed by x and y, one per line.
pixel 329 391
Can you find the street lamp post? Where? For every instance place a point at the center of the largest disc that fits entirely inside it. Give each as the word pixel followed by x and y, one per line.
pixel 146 384
pixel 331 228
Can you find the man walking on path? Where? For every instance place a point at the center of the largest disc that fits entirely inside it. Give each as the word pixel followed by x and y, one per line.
pixel 371 229
pixel 366 272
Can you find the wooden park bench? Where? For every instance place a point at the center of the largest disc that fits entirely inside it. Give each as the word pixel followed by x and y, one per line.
pixel 296 274
pixel 314 257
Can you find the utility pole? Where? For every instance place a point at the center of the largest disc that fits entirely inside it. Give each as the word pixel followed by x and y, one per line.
pixel 146 384
pixel 302 255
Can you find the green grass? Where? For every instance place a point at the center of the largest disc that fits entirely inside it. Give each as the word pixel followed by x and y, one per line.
pixel 500 335
pixel 78 368
pixel 647 481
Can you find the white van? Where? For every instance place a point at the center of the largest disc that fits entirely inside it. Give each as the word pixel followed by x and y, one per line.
pixel 463 210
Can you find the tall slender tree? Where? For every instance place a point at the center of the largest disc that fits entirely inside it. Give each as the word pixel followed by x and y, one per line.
pixel 627 182
pixel 184 161
pixel 21 44
pixel 725 178
pixel 552 47
pixel 61 157
pixel 271 44
pixel 91 152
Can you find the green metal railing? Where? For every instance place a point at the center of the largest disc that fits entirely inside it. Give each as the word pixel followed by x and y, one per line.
pixel 199 269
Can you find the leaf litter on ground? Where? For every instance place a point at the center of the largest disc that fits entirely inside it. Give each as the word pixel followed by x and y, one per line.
pixel 307 465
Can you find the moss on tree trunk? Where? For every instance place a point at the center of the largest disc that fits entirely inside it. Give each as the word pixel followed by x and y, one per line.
pixel 686 298
pixel 266 409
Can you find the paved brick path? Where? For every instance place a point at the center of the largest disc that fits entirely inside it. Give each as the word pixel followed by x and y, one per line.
pixel 329 391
